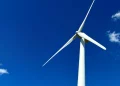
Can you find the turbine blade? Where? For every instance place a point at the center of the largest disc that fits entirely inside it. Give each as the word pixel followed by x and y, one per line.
pixel 65 45
pixel 80 28
pixel 83 35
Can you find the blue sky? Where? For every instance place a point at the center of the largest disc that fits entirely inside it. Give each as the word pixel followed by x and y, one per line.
pixel 31 31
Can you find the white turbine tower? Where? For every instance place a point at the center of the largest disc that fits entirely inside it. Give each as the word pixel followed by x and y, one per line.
pixel 84 38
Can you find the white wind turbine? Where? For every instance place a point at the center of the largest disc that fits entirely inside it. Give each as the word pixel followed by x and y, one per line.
pixel 84 38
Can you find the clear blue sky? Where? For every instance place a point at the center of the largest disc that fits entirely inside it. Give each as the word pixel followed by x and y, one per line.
pixel 31 31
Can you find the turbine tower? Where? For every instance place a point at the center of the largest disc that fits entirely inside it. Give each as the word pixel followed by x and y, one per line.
pixel 84 38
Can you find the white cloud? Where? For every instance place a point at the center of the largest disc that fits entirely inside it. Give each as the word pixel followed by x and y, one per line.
pixel 116 16
pixel 3 71
pixel 113 36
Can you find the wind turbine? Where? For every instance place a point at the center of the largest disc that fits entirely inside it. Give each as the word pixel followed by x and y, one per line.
pixel 84 39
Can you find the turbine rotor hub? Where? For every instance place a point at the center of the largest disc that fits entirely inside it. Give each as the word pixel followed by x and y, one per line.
pixel 77 32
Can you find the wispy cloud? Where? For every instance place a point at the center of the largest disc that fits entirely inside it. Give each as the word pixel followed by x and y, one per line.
pixel 3 71
pixel 113 36
pixel 116 16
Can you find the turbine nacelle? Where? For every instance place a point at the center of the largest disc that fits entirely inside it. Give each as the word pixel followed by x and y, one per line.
pixel 77 34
